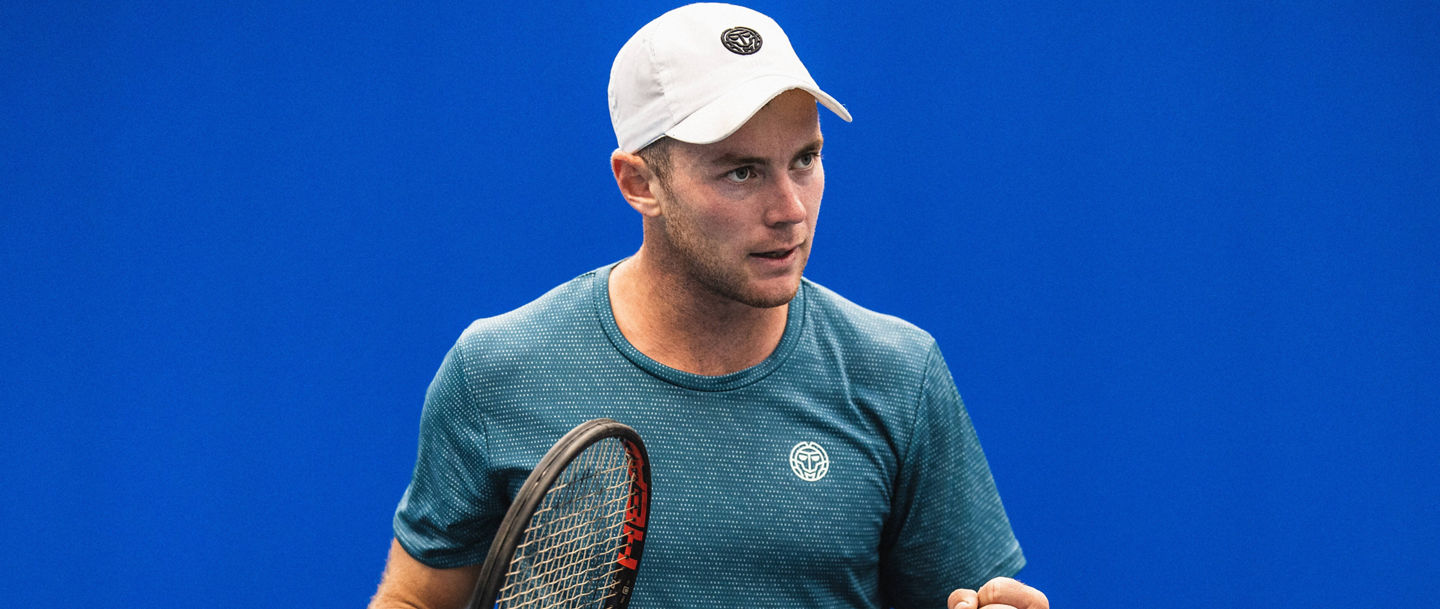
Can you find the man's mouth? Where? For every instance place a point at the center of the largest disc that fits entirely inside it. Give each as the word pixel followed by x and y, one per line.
pixel 774 254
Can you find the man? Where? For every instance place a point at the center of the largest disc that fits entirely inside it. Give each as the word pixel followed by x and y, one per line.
pixel 806 452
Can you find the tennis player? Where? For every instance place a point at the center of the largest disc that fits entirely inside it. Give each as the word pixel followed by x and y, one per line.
pixel 806 452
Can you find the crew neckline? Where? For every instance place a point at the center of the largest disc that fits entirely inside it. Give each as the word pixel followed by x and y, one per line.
pixel 794 326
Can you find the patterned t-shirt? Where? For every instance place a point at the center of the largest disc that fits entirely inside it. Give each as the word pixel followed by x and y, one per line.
pixel 842 471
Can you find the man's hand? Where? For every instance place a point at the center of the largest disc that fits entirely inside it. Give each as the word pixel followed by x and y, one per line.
pixel 999 593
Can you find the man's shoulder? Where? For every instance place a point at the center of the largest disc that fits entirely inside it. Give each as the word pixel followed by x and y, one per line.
pixel 859 327
pixel 559 313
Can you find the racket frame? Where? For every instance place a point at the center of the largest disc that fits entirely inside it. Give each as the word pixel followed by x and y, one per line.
pixel 538 483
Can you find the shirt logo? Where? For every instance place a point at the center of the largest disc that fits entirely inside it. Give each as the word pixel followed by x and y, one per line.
pixel 741 40
pixel 809 461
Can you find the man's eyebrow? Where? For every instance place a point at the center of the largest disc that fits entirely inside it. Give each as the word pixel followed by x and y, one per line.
pixel 731 158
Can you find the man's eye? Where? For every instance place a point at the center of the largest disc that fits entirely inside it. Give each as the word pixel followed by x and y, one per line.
pixel 742 174
pixel 806 160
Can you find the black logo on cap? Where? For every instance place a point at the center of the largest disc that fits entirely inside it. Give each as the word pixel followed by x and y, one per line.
pixel 741 40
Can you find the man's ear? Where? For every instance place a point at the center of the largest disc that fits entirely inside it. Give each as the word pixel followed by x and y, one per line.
pixel 637 182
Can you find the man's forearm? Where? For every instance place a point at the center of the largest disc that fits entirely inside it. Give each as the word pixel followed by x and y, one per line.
pixel 411 584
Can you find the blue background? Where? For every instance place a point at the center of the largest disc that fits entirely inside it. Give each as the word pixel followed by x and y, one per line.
pixel 1182 258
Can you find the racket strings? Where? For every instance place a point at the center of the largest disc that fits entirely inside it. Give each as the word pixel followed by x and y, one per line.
pixel 567 534
pixel 562 555
pixel 567 493
pixel 568 553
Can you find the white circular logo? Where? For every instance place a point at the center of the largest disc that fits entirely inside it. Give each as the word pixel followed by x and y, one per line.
pixel 809 461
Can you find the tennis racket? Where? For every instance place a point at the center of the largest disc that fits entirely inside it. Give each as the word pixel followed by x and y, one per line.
pixel 573 536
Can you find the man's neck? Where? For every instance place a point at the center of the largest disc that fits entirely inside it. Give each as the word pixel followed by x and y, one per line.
pixel 684 326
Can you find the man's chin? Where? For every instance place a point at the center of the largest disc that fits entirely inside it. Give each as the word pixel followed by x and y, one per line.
pixel 774 296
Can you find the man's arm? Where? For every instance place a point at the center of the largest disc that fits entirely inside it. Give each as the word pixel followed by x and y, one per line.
pixel 410 584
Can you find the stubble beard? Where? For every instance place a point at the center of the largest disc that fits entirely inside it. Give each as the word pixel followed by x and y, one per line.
pixel 701 266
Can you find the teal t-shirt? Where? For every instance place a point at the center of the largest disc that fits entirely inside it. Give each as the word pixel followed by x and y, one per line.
pixel 841 472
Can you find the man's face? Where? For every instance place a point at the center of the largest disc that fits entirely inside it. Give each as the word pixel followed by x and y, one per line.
pixel 738 216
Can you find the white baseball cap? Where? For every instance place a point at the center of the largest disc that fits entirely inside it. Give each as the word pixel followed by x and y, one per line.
pixel 699 72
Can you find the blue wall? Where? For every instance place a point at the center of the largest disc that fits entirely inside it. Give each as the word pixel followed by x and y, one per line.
pixel 1182 258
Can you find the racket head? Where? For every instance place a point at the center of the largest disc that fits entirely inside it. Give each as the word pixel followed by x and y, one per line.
pixel 576 528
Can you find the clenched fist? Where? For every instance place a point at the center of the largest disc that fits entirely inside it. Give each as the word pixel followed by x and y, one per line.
pixel 999 593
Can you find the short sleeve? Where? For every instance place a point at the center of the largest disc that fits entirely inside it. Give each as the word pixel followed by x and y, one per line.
pixel 450 511
pixel 947 528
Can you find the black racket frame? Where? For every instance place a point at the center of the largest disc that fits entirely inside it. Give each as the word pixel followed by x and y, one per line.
pixel 546 472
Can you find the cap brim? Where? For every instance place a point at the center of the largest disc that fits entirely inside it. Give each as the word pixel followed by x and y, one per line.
pixel 728 113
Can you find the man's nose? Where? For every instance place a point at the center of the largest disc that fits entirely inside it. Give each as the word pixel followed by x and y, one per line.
pixel 785 204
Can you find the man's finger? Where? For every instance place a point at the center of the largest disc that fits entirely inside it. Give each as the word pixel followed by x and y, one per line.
pixel 962 599
pixel 1006 591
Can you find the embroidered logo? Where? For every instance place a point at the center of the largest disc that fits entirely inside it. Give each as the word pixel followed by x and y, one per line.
pixel 809 461
pixel 741 40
